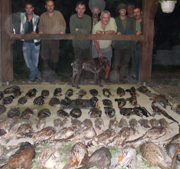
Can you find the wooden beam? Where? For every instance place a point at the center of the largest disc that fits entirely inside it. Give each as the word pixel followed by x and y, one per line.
pixel 147 46
pixel 76 36
pixel 6 45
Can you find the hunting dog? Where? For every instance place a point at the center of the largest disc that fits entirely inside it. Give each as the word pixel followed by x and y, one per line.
pixel 93 65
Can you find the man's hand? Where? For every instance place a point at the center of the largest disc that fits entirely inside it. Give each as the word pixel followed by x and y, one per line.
pixel 138 32
pixel 77 29
pixel 61 33
pixel 100 32
pixel 33 33
pixel 119 33
pixel 40 32
pixel 100 54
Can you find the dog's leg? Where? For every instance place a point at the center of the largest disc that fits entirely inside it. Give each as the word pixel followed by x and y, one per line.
pixel 73 78
pixel 77 79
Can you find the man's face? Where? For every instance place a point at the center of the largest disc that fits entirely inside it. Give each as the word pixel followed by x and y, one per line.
pixel 80 9
pixel 130 9
pixel 105 18
pixel 95 12
pixel 137 13
pixel 29 9
pixel 122 12
pixel 50 6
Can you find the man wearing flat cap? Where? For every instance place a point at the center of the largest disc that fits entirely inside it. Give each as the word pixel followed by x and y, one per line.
pixel 123 49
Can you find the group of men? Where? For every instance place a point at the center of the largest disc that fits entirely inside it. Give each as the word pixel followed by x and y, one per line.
pixel 53 22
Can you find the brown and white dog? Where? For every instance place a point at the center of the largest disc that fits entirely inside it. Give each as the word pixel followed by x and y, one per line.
pixel 93 65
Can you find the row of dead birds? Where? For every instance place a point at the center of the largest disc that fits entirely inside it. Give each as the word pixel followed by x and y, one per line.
pixel 101 158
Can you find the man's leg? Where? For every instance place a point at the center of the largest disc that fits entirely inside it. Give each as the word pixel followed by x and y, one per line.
pixel 45 54
pixel 35 59
pixel 27 52
pixel 54 57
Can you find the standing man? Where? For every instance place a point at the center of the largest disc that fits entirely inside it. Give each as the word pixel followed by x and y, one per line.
pixel 130 10
pixel 123 49
pixel 137 50
pixel 51 22
pixel 96 6
pixel 106 25
pixel 31 48
pixel 80 23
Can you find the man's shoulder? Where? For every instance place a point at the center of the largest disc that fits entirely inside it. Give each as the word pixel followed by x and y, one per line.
pixel 97 25
pixel 58 12
pixel 73 16
pixel 87 16
pixel 43 14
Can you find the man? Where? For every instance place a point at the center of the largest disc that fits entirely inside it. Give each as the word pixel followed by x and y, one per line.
pixel 51 22
pixel 103 48
pixel 123 49
pixel 130 10
pixel 31 48
pixel 137 50
pixel 80 23
pixel 96 6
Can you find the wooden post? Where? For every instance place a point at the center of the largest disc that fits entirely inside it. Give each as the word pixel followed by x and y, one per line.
pixel 147 46
pixel 6 45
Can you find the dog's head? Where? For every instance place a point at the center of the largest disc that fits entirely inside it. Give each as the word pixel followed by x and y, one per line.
pixel 104 62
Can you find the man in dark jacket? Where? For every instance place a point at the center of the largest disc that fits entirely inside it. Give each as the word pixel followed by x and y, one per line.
pixel 123 49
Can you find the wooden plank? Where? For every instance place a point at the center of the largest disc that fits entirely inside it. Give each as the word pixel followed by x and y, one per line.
pixel 147 46
pixel 6 46
pixel 76 36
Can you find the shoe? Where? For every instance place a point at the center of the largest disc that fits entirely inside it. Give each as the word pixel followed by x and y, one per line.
pixel 38 79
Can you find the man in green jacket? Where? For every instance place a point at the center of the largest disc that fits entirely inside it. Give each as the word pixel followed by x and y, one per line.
pixel 123 49
pixel 80 23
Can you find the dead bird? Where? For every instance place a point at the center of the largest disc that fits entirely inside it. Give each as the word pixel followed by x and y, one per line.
pixel 101 159
pixel 45 93
pixel 57 123
pixel 109 111
pixel 43 135
pixel 41 123
pixel 104 137
pixel 62 113
pixel 143 89
pixel 79 155
pixel 120 92
pixel 99 123
pixel 153 134
pixel 82 93
pixel 87 123
pixel 93 92
pixel 123 136
pixel 161 99
pixel 154 123
pixel 126 111
pixel 23 130
pixel 44 113
pixel 39 100
pixel 48 158
pixel 107 102
pixel 11 89
pixel 76 113
pixel 27 114
pixel 22 158
pixel 57 92
pixel 31 93
pixel 132 100
pixel 1 95
pixel 164 123
pixel 121 102
pixel 76 124
pixel 93 101
pixel 132 91
pixel 125 157
pixel 113 124
pixel 13 112
pixel 153 154
pixel 144 123
pixel 22 100
pixel 158 108
pixel 8 100
pixel 95 112
pixel 134 124
pixel 106 92
pixel 54 101
pixel 69 93
pixel 123 123
pixel 141 111
pixel 7 124
pixel 66 102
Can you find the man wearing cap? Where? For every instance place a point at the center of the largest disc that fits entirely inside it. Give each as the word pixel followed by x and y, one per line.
pixel 123 49
pixel 96 6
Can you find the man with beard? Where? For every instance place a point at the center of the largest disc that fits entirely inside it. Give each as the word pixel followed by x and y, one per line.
pixel 123 49
pixel 80 23
pixel 51 22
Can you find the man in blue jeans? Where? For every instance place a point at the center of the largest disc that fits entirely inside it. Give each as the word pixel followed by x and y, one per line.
pixel 31 48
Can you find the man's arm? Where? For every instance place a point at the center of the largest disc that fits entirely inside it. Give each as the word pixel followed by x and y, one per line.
pixel 72 25
pixel 86 28
pixel 62 23
pixel 40 26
